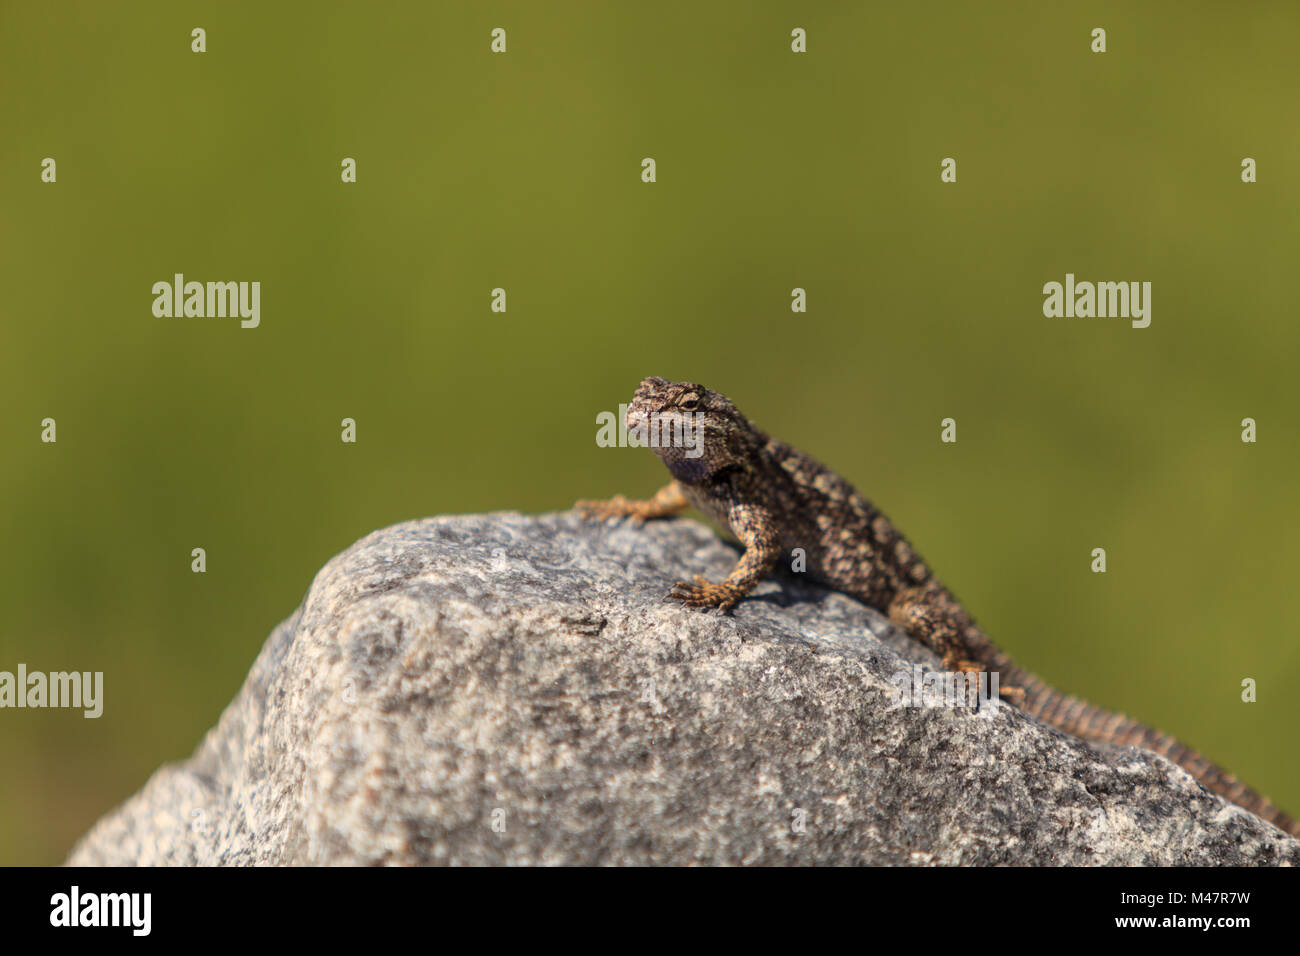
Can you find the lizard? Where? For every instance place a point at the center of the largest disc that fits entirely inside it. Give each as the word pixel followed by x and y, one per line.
pixel 774 498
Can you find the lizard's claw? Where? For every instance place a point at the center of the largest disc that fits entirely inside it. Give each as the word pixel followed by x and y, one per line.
pixel 704 594
pixel 611 510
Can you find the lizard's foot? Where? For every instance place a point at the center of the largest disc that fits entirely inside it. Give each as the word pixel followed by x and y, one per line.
pixel 613 509
pixel 955 662
pixel 705 594
pixel 1013 695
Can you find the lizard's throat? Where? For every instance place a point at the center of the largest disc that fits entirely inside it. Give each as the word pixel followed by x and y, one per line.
pixel 684 469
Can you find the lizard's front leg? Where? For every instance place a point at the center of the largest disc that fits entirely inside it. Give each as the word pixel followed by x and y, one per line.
pixel 667 502
pixel 756 529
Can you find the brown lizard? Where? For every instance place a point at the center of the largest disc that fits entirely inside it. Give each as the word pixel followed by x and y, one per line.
pixel 774 498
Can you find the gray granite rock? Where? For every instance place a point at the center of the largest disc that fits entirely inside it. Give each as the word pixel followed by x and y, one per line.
pixel 510 689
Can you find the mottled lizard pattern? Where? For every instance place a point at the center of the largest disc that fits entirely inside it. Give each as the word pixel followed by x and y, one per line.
pixel 774 499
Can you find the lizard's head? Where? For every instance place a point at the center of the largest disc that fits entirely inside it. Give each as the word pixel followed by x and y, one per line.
pixel 695 431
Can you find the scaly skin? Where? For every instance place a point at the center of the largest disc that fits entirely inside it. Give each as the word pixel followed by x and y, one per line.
pixel 774 498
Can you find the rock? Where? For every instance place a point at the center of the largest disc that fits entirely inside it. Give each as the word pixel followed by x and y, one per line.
pixel 508 689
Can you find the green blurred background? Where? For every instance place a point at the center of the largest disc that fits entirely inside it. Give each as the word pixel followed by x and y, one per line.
pixel 522 170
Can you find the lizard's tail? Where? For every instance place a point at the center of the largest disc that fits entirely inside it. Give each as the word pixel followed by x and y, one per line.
pixel 1082 719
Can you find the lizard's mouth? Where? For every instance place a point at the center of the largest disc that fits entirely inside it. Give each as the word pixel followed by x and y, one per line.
pixel 674 437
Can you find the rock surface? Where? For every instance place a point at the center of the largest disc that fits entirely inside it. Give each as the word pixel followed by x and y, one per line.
pixel 510 689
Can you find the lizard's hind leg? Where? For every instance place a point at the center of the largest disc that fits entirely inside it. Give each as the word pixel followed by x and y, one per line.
pixel 930 618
